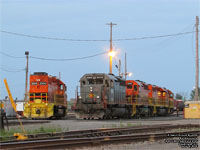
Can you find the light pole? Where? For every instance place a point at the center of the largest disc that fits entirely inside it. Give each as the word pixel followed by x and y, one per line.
pixel 26 82
pixel 111 48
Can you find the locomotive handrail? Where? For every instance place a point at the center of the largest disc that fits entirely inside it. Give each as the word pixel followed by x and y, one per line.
pixel 41 96
pixel 134 99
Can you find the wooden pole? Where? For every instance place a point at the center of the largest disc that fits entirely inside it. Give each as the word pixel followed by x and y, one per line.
pixel 111 48
pixel 26 82
pixel 197 62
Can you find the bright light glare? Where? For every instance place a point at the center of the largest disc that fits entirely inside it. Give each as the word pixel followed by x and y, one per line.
pixel 130 74
pixel 112 54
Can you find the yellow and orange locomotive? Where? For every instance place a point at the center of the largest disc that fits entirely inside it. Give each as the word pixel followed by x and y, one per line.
pixel 47 97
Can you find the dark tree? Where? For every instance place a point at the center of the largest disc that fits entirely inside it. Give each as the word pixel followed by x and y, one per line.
pixel 193 93
pixel 178 96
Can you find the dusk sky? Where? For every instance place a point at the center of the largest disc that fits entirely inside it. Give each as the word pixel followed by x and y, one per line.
pixel 167 62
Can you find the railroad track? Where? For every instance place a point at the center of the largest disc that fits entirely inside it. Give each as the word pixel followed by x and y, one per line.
pixel 77 132
pixel 101 132
pixel 98 136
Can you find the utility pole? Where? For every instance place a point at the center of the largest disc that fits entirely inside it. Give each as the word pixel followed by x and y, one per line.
pixel 119 67
pixel 26 82
pixel 125 68
pixel 111 24
pixel 197 62
pixel 59 75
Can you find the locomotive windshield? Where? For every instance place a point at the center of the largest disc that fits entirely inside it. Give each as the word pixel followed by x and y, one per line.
pixel 94 80
pixel 129 85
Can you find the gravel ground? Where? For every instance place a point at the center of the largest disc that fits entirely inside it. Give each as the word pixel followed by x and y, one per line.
pixel 75 124
pixel 158 145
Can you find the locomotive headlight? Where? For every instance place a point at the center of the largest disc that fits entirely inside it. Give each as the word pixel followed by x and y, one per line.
pixel 80 97
pixel 97 96
pixel 90 89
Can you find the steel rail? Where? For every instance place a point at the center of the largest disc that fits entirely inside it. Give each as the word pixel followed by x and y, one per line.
pixel 105 132
pixel 52 134
pixel 77 142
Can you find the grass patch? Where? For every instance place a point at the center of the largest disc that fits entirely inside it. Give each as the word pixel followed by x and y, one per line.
pixel 6 134
pixel 114 126
pixel 121 124
pixel 185 129
pixel 129 124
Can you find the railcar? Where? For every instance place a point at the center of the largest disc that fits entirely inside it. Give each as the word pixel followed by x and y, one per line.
pixel 101 96
pixel 178 104
pixel 47 97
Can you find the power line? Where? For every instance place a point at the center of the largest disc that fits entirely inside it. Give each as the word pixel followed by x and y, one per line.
pixel 153 37
pixel 53 59
pixel 69 59
pixel 83 40
pixel 49 38
pixel 10 55
pixel 11 70
pixel 14 69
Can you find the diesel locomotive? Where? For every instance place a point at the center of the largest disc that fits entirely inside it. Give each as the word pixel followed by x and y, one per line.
pixel 101 96
pixel 108 96
pixel 47 97
pixel 148 99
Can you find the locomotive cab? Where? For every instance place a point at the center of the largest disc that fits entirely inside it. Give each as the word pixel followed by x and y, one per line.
pixel 90 89
pixel 132 90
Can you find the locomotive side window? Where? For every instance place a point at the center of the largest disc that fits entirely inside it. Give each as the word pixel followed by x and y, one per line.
pixel 83 82
pixel 61 87
pixel 135 87
pixel 106 83
pixel 33 83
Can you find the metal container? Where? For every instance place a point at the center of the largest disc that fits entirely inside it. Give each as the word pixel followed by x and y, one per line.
pixel 9 109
